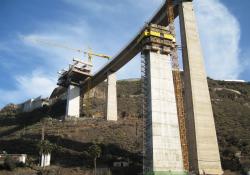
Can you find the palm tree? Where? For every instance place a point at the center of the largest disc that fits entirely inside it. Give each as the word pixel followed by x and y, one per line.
pixel 45 148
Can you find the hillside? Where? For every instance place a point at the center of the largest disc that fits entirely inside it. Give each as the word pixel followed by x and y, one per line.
pixel 20 132
pixel 231 105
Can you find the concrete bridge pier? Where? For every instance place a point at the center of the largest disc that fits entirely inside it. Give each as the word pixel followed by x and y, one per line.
pixel 73 102
pixel 163 154
pixel 111 97
pixel 204 154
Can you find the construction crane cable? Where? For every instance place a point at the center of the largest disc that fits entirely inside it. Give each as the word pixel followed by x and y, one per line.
pixel 89 53
pixel 54 44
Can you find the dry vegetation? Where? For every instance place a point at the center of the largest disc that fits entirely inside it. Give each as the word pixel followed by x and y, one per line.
pixel 20 132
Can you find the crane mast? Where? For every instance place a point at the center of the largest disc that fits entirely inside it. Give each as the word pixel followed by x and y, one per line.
pixel 178 89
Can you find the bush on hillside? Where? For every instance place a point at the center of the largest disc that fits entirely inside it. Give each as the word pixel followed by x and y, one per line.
pixel 9 164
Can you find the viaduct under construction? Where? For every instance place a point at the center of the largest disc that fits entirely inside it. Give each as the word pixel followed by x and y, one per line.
pixel 180 135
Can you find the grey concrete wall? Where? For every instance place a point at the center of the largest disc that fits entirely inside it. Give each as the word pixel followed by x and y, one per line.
pixel 163 147
pixel 202 140
pixel 73 102
pixel 111 98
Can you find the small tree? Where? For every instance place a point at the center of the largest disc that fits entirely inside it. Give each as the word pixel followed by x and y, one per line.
pixel 45 147
pixel 94 151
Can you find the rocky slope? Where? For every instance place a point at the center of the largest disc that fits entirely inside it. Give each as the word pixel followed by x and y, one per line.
pixel 20 132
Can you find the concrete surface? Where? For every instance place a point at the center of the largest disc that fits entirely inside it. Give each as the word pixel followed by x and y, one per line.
pixel 202 140
pixel 73 102
pixel 163 147
pixel 111 98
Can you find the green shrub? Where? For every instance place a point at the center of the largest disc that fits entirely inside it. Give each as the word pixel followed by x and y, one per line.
pixel 20 164
pixel 9 164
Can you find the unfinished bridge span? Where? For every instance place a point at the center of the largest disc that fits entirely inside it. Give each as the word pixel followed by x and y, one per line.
pixel 176 142
pixel 131 49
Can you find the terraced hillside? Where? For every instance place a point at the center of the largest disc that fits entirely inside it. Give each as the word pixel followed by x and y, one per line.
pixel 20 132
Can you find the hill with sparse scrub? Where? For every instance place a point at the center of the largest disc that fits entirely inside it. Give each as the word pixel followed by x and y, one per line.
pixel 122 140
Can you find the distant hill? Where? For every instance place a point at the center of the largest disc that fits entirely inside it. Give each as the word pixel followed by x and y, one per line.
pixel 20 132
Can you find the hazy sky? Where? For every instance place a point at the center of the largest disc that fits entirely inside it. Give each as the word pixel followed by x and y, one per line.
pixel 29 69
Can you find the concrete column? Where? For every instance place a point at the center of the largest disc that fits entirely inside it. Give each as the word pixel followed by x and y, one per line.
pixel 73 101
pixel 202 140
pixel 111 98
pixel 163 147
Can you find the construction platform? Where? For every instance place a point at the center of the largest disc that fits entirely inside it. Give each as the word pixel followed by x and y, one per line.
pixel 78 72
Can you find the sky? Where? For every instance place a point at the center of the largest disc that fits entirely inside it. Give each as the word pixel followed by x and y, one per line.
pixel 28 66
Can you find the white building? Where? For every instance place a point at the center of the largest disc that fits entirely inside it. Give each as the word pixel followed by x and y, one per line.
pixel 32 104
pixel 19 158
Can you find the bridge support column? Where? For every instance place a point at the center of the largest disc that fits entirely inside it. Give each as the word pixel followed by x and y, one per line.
pixel 163 153
pixel 111 98
pixel 202 140
pixel 73 102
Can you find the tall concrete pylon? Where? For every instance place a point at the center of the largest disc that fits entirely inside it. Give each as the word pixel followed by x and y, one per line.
pixel 73 102
pixel 204 154
pixel 163 154
pixel 111 97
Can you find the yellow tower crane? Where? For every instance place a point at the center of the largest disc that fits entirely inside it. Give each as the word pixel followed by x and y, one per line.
pixel 90 55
